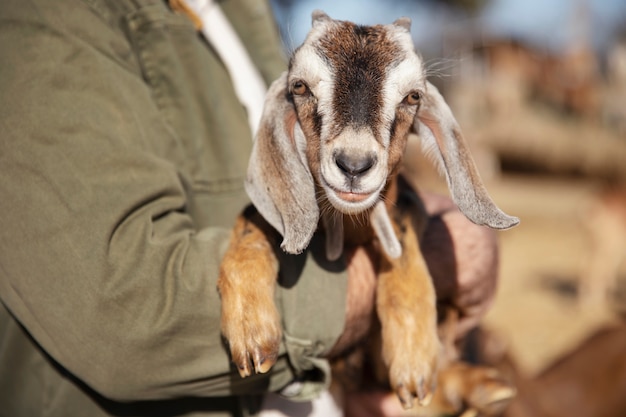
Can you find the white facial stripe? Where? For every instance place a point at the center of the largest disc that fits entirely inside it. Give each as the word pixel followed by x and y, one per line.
pixel 310 67
pixel 400 80
pixel 407 76
pixel 325 107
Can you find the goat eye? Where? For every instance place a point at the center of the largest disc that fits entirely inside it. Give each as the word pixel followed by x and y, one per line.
pixel 413 98
pixel 299 88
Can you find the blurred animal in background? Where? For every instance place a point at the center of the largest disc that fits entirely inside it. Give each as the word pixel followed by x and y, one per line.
pixel 588 381
pixel 604 224
pixel 326 159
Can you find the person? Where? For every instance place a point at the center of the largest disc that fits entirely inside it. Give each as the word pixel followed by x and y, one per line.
pixel 123 152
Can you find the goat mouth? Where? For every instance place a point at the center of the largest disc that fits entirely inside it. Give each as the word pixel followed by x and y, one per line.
pixel 348 202
pixel 352 197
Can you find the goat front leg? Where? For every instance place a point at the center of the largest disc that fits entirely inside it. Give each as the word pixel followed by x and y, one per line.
pixel 406 307
pixel 248 273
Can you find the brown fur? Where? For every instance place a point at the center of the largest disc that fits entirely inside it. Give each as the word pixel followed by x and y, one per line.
pixel 250 259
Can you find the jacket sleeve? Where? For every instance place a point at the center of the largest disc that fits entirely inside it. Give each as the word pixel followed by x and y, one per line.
pixel 252 19
pixel 101 259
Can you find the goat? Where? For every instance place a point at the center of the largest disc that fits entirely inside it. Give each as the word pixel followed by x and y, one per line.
pixel 327 154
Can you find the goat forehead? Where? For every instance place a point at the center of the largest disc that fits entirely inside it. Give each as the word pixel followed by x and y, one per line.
pixel 361 58
pixel 368 47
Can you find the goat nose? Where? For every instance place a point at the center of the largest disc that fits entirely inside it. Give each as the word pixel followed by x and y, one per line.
pixel 352 165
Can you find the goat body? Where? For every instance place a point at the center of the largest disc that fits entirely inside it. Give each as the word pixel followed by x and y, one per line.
pixel 328 150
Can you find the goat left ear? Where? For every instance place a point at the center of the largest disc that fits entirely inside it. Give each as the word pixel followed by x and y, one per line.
pixel 279 181
pixel 439 130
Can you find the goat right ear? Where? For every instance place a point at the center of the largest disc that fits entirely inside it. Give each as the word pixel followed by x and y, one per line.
pixel 279 181
pixel 440 131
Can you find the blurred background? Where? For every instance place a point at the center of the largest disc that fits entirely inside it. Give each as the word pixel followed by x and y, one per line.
pixel 539 89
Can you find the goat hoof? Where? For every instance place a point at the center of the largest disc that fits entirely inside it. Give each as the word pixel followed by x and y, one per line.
pixel 424 395
pixel 490 392
pixel 263 361
pixel 416 381
pixel 413 369
pixel 253 356
pixel 405 397
pixel 255 359
pixel 253 335
pixel 484 390
pixel 244 368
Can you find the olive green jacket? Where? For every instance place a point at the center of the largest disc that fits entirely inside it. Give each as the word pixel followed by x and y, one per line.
pixel 122 155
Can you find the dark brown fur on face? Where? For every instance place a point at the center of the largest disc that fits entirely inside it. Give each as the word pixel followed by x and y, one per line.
pixel 359 57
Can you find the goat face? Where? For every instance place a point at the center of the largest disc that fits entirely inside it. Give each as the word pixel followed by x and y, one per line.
pixel 338 121
pixel 356 90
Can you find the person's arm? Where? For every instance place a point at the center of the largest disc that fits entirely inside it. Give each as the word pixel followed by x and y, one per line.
pixel 100 261
pixel 463 259
pixel 108 256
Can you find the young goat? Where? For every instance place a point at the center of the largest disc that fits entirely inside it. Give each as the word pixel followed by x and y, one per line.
pixel 330 143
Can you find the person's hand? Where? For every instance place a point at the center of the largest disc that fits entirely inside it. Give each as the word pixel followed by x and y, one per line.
pixel 376 403
pixel 463 261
